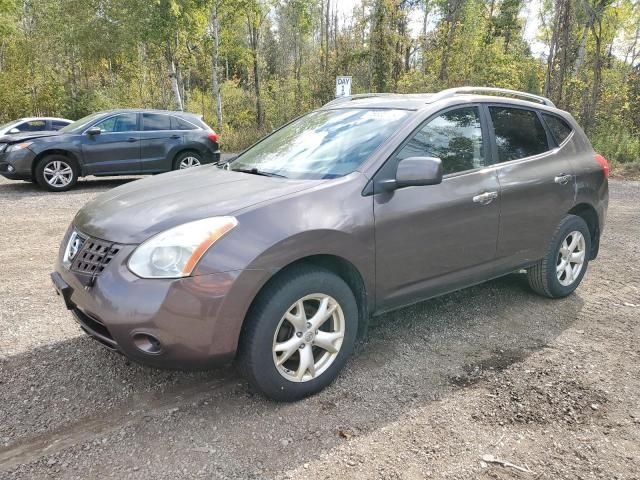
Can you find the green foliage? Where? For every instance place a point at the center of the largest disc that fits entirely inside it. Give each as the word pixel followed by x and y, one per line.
pixel 279 58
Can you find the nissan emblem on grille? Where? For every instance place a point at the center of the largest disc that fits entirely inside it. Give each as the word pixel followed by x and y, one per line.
pixel 75 243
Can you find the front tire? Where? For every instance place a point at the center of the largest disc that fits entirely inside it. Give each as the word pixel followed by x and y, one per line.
pixel 298 334
pixel 56 173
pixel 560 272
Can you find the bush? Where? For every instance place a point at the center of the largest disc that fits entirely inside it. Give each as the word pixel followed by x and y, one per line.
pixel 621 147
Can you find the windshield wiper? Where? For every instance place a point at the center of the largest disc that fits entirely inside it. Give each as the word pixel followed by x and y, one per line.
pixel 255 171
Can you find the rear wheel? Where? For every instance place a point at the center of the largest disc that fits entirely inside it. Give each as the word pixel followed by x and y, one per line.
pixel 564 266
pixel 186 160
pixel 299 334
pixel 56 173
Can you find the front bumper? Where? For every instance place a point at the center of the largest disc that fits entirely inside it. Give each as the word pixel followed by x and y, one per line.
pixel 16 165
pixel 196 320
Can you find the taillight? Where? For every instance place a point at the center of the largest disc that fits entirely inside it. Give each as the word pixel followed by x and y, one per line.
pixel 213 137
pixel 604 164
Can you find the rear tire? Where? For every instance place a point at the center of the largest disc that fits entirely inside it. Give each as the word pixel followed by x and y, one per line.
pixel 287 353
pixel 188 159
pixel 56 173
pixel 560 272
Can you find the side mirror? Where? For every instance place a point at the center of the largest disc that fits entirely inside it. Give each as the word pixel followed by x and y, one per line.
pixel 94 131
pixel 13 130
pixel 416 171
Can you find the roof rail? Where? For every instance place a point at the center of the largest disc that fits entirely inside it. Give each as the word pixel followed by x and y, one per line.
pixel 339 100
pixel 450 92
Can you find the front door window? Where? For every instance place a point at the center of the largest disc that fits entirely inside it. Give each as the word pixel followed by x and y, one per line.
pixel 455 137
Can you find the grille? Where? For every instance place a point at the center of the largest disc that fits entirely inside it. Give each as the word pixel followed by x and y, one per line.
pixel 94 255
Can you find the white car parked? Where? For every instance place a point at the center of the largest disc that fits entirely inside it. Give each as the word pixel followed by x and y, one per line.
pixel 33 124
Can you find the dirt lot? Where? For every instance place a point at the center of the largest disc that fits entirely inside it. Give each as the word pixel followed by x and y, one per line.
pixel 550 386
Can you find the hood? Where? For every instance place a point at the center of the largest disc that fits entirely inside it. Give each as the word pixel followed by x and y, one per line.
pixel 21 137
pixel 131 213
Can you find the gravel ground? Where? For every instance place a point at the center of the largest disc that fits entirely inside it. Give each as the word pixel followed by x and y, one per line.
pixel 437 391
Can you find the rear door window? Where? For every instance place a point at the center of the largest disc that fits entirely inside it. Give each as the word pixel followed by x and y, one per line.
pixel 558 127
pixel 154 122
pixel 455 137
pixel 57 124
pixel 519 133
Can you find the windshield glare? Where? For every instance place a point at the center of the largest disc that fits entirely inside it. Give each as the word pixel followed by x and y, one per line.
pixel 80 124
pixel 322 144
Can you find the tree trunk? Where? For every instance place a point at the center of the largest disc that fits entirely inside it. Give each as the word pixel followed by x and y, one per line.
pixel 173 77
pixel 590 105
pixel 551 57
pixel 254 24
pixel 451 21
pixel 214 63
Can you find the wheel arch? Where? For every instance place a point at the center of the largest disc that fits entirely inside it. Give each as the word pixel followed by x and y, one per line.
pixel 589 214
pixel 338 265
pixel 54 151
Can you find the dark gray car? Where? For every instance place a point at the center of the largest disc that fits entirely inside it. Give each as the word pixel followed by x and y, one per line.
pixel 280 258
pixel 118 142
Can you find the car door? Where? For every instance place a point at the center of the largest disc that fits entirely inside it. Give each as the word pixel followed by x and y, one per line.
pixel 116 149
pixel 537 183
pixel 158 142
pixel 433 239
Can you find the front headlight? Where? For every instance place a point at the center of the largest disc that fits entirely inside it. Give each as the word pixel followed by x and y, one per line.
pixel 174 253
pixel 19 146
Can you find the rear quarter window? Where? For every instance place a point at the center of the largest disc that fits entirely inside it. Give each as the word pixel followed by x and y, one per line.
pixel 180 124
pixel 519 133
pixel 558 127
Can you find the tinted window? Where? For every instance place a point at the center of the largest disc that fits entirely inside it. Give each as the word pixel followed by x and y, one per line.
pixel 455 137
pixel 322 144
pixel 559 128
pixel 57 125
pixel 32 126
pixel 180 124
pixel 154 121
pixel 127 122
pixel 519 133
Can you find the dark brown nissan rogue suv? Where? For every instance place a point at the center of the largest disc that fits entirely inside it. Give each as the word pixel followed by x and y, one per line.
pixel 278 258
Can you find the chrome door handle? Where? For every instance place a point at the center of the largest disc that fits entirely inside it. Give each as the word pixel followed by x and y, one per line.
pixel 562 179
pixel 485 198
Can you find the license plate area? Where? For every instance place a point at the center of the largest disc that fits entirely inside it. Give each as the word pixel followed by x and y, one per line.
pixel 63 289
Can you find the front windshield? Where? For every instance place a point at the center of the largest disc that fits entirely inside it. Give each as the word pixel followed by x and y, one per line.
pixel 80 124
pixel 322 144
pixel 9 124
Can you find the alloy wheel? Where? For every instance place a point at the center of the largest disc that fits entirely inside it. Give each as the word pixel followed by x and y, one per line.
pixel 58 173
pixel 308 338
pixel 570 258
pixel 188 162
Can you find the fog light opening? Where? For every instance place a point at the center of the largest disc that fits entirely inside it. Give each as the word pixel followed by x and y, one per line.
pixel 147 343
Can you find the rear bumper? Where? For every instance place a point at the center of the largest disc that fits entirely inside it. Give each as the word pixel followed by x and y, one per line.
pixel 212 156
pixel 196 320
